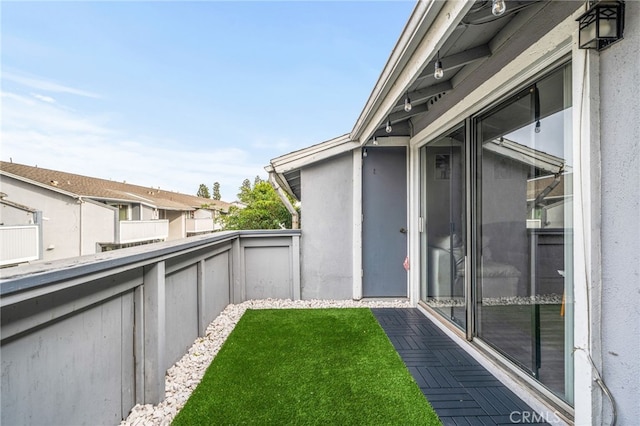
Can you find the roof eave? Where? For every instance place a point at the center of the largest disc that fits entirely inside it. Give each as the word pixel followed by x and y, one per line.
pixel 312 154
pixel 429 26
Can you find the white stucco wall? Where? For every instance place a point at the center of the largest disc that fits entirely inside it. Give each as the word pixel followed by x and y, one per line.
pixel 11 215
pixel 326 217
pixel 60 217
pixel 620 222
pixel 177 224
pixel 98 225
pixel 69 227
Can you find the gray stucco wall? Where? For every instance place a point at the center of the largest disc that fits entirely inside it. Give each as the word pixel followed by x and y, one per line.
pixel 327 222
pixel 620 229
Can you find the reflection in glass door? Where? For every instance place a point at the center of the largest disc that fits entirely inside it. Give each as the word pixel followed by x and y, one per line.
pixel 523 244
pixel 443 212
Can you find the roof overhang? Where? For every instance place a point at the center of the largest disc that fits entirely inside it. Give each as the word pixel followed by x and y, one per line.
pixel 472 45
pixel 287 167
pixel 430 25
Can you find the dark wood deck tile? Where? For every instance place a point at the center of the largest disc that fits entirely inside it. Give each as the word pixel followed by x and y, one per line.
pixel 460 390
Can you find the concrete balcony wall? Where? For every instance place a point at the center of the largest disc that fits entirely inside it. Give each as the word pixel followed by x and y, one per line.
pixel 85 339
pixel 197 225
pixel 133 231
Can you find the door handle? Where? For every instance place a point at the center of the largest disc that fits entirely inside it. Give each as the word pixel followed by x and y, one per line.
pixel 402 230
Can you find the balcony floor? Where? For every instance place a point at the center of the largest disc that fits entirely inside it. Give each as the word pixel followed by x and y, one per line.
pixel 460 390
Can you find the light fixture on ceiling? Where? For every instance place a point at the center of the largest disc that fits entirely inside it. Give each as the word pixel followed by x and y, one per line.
pixel 388 128
pixel 438 73
pixel 498 7
pixel 601 25
pixel 407 103
pixel 375 140
pixel 537 129
pixel 364 153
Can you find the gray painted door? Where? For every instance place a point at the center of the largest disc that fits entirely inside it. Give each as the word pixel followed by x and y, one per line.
pixel 384 235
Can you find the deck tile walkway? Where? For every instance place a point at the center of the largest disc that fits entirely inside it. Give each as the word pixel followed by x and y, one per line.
pixel 460 390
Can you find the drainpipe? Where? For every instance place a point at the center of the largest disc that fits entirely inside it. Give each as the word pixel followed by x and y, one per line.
pixel 80 230
pixel 285 200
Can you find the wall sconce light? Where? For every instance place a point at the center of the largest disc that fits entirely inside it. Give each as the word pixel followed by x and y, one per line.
pixel 601 25
pixel 407 103
pixel 438 73
pixel 388 128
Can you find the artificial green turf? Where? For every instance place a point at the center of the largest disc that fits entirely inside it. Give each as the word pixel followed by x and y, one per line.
pixel 307 366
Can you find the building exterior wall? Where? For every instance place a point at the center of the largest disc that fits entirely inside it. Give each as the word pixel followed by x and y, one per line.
pixel 98 225
pixel 177 224
pixel 327 223
pixel 620 220
pixel 60 217
pixel 11 215
pixel 203 214
pixel 147 213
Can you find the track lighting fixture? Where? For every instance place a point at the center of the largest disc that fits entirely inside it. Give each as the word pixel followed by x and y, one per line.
pixel 498 7
pixel 388 129
pixel 438 72
pixel 407 103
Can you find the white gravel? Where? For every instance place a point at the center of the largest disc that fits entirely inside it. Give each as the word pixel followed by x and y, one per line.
pixel 183 377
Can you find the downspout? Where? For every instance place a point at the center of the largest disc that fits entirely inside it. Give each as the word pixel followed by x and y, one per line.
pixel 80 230
pixel 285 200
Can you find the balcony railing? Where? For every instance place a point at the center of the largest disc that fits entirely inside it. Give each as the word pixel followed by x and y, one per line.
pixel 19 244
pixel 200 225
pixel 133 231
pixel 85 339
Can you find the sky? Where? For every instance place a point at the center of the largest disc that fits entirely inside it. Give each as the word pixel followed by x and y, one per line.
pixel 175 94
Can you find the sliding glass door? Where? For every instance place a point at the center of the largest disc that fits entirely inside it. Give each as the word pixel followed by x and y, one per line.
pixel 524 223
pixel 497 253
pixel 444 213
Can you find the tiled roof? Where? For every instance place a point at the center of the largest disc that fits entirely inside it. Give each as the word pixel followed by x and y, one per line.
pixel 103 189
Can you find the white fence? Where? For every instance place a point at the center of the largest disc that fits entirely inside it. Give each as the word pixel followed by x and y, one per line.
pixel 133 231
pixel 200 225
pixel 18 244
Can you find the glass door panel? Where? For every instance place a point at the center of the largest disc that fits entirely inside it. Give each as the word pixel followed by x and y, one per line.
pixel 523 243
pixel 443 240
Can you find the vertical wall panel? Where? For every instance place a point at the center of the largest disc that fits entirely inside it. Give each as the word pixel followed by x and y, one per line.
pixel 267 272
pixel 181 293
pixel 217 283
pixel 64 373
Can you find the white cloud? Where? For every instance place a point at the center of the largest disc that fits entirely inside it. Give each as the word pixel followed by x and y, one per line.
pixel 47 99
pixel 46 85
pixel 53 136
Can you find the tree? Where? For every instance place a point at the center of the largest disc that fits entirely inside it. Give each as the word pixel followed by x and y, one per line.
pixel 264 209
pixel 256 181
pixel 245 191
pixel 216 191
pixel 203 191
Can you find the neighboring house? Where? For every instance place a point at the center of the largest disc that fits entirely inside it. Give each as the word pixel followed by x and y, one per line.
pixel 49 214
pixel 501 198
